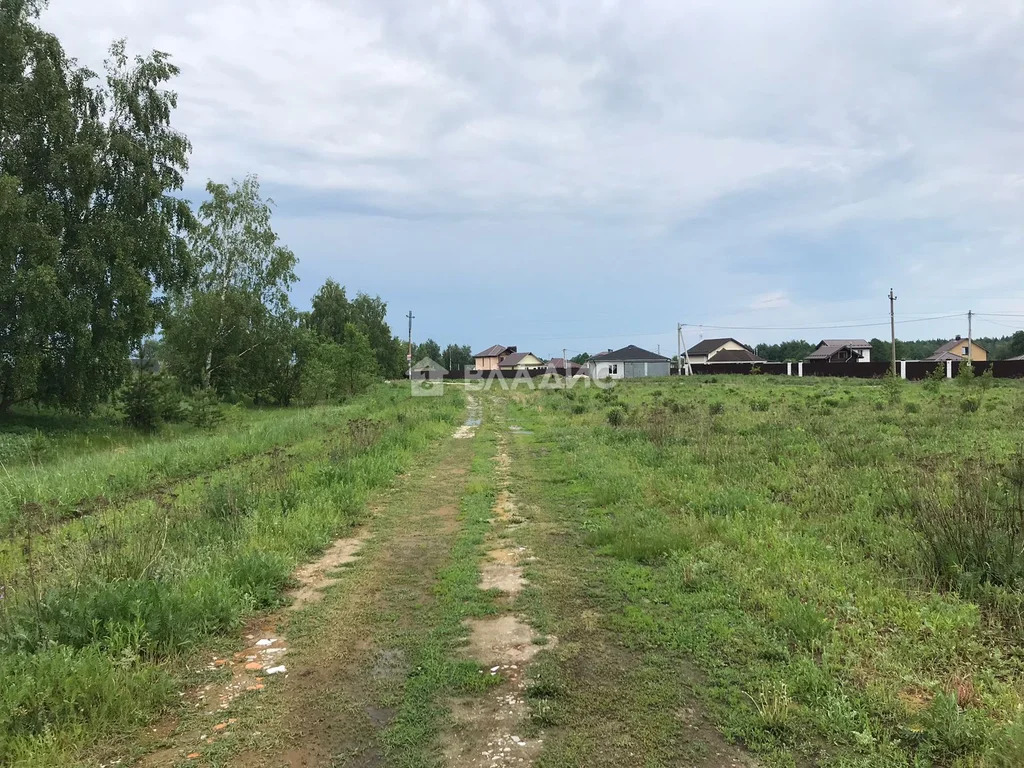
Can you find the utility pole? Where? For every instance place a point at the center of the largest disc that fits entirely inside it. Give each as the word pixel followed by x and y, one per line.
pixel 679 349
pixel 409 356
pixel 565 369
pixel 892 327
pixel 970 337
pixel 681 345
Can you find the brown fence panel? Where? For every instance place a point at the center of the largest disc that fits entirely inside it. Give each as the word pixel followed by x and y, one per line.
pixel 871 370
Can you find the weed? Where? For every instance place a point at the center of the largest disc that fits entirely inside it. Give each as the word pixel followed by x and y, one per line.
pixel 970 404
pixel 977 536
pixel 616 417
pixel 774 707
pixel 716 408
pixel 659 426
pixel 759 404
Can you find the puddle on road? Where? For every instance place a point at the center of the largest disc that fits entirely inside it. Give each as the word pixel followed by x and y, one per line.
pixel 474 418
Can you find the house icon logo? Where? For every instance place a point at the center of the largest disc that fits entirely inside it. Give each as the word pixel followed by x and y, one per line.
pixel 427 378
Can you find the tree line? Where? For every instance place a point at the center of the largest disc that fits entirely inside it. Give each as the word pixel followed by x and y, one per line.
pixel 102 259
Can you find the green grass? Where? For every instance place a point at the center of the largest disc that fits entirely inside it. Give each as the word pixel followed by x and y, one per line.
pixel 765 530
pixel 98 613
pixel 77 473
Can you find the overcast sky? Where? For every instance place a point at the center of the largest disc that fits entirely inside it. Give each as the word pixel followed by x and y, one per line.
pixel 587 174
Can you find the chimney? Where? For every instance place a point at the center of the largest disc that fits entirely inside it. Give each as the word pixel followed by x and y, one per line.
pixel 958 337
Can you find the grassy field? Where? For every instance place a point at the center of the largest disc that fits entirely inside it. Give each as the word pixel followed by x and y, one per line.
pixel 174 540
pixel 832 567
pixel 718 569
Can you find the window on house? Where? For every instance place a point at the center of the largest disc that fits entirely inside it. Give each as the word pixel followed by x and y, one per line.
pixel 613 368
pixel 967 350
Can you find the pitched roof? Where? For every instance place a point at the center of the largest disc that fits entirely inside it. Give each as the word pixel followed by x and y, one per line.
pixel 495 351
pixel 708 346
pixel 515 359
pixel 735 356
pixel 561 364
pixel 428 365
pixel 828 347
pixel 941 357
pixel 1018 357
pixel 948 348
pixel 631 354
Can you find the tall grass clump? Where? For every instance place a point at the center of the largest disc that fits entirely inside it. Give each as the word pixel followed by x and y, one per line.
pixel 975 534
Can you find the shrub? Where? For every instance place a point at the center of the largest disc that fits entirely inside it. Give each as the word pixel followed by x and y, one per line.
pixel 892 388
pixel 204 409
pixel 986 379
pixel 170 403
pixel 936 377
pixel 616 417
pixel 965 376
pixel 140 402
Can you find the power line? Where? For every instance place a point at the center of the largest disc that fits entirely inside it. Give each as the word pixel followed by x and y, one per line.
pixel 837 326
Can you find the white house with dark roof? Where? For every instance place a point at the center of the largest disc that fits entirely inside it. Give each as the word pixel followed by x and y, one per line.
pixel 841 351
pixel 630 362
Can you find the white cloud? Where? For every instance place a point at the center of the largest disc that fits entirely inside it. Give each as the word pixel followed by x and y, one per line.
pixel 697 132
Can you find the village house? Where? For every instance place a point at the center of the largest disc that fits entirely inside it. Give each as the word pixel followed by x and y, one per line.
pixel 721 351
pixel 959 349
pixel 490 359
pixel 521 361
pixel 630 362
pixel 562 366
pixel 841 351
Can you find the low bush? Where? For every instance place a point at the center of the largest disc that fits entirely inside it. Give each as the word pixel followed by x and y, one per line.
pixel 616 417
pixel 970 404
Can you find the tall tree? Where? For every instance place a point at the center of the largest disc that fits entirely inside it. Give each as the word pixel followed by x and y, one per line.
pixel 244 277
pixel 1015 347
pixel 331 312
pixel 457 357
pixel 428 348
pixel 91 234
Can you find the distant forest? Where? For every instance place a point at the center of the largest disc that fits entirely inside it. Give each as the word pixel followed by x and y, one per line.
pixel 999 348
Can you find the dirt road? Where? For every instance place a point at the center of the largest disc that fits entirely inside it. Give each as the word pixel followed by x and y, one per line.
pixel 415 642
